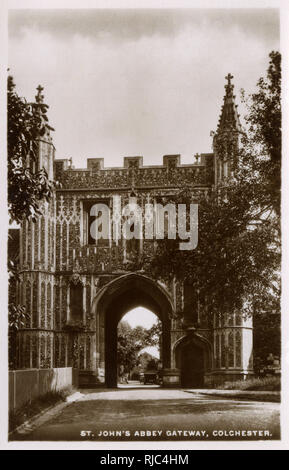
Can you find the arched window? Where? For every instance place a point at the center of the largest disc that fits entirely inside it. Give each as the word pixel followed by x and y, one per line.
pixel 231 348
pixel 95 214
pixel 132 228
pixel 133 245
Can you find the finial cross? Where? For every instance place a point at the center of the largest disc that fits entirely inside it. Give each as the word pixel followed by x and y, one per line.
pixel 229 77
pixel 39 97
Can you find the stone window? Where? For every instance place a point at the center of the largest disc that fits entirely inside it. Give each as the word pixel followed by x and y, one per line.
pixel 132 246
pixel 166 218
pixel 238 348
pixel 76 302
pixel 231 348
pixel 132 227
pixel 96 223
pixel 223 349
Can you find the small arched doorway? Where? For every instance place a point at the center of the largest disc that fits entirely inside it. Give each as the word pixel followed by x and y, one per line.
pixel 120 296
pixel 192 356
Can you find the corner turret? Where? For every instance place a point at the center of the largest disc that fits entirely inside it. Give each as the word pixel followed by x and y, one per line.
pixel 46 149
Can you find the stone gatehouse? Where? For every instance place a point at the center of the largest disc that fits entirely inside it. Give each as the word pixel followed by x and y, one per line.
pixel 77 289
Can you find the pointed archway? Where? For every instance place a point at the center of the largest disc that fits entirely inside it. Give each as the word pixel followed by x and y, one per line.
pixel 192 358
pixel 113 302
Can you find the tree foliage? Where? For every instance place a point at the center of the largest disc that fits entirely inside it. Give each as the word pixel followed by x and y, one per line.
pixel 261 149
pixel 236 264
pixel 27 185
pixel 132 340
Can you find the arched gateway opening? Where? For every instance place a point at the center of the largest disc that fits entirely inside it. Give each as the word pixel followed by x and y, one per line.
pixel 139 336
pixel 113 302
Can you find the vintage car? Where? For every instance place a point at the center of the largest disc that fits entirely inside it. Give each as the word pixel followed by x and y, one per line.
pixel 151 377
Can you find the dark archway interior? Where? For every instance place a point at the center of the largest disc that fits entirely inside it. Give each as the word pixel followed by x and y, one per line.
pixel 190 359
pixel 131 294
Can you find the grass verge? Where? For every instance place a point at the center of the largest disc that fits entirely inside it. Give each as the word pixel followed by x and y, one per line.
pixel 268 384
pixel 30 409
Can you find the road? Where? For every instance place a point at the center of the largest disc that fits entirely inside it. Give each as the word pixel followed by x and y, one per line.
pixel 149 413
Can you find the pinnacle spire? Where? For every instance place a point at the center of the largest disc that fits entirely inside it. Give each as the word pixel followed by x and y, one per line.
pixel 41 109
pixel 229 118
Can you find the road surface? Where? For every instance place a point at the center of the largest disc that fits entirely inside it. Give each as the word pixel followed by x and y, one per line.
pixel 149 413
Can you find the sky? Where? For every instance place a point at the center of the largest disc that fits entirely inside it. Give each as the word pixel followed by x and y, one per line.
pixel 140 316
pixel 139 81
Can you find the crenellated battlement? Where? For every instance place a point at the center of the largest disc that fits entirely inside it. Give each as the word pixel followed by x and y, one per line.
pixel 133 173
